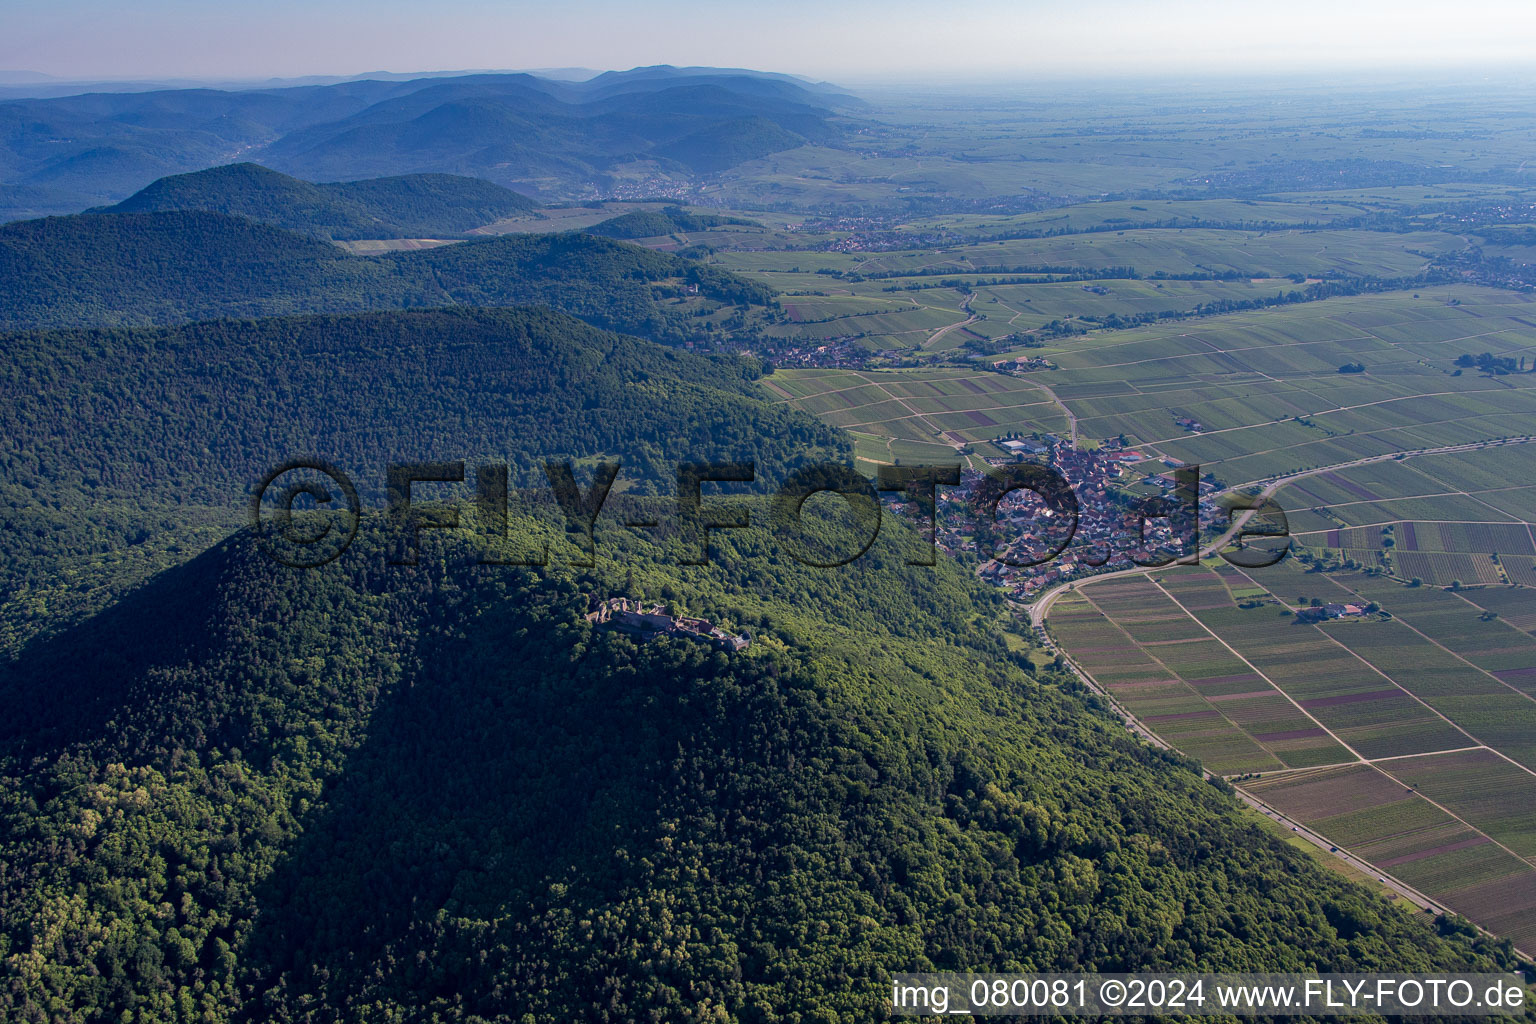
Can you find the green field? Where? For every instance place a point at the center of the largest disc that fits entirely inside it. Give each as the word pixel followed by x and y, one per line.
pixel 1409 733
pixel 877 323
pixel 1028 306
pixel 1377 813
pixel 1265 387
pixel 917 415
pixel 1188 251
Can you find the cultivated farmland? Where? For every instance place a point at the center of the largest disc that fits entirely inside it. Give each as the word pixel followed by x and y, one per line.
pixel 1411 835
pixel 1406 734
pixel 1265 391
pixel 914 415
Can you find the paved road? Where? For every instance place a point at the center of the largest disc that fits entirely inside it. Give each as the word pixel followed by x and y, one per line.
pixel 1067 412
pixel 936 335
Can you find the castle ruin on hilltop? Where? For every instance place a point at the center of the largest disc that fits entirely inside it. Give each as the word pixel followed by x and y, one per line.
pixel 632 618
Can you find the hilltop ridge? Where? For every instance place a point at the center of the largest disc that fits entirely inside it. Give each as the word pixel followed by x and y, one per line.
pixel 407 206
pixel 141 269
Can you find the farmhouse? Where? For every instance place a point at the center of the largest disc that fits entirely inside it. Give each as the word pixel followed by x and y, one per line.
pixel 1329 611
pixel 1021 447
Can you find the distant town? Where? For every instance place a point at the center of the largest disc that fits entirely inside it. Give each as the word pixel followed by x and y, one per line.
pixel 1109 530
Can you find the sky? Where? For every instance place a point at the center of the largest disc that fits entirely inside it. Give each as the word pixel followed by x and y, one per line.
pixel 848 41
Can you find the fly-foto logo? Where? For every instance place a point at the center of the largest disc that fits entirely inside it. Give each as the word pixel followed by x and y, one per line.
pixel 311 485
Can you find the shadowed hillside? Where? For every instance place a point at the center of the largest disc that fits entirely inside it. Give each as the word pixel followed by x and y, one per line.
pixel 439 788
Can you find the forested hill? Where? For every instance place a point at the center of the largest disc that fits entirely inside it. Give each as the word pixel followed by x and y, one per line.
pixel 648 223
pixel 249 793
pixel 128 450
pixel 406 206
pixel 159 268
pixel 194 411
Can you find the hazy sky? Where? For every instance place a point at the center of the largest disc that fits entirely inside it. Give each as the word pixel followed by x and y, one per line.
pixel 840 40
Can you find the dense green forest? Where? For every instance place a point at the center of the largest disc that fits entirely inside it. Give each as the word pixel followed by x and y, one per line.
pixel 404 206
pixel 437 794
pixel 190 411
pixel 136 269
pixel 135 442
pixel 649 223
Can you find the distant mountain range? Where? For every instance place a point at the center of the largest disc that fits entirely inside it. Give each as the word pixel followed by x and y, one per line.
pixel 540 135
pixel 22 84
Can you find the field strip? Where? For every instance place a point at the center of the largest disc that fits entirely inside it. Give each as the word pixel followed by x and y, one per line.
pixel 1431 753
pixel 1494 750
pixel 1436 643
pixel 1198 337
pixel 1270 773
pixel 1395 684
pixel 1433 803
pixel 1139 728
pixel 1068 413
pixel 1256 670
pixel 1325 412
pixel 1511 521
pixel 1043 394
pixel 1016 313
pixel 1524 860
pixel 1379 435
pixel 936 335
pixel 985 408
pixel 1473 497
pixel 1041 606
pixel 1476 831
pixel 905 405
pixel 1173 675
pixel 870 383
pixel 1222 351
pixel 989 408
pixel 1274 483
pixel 876 439
pixel 1426 522
pixel 1292 344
